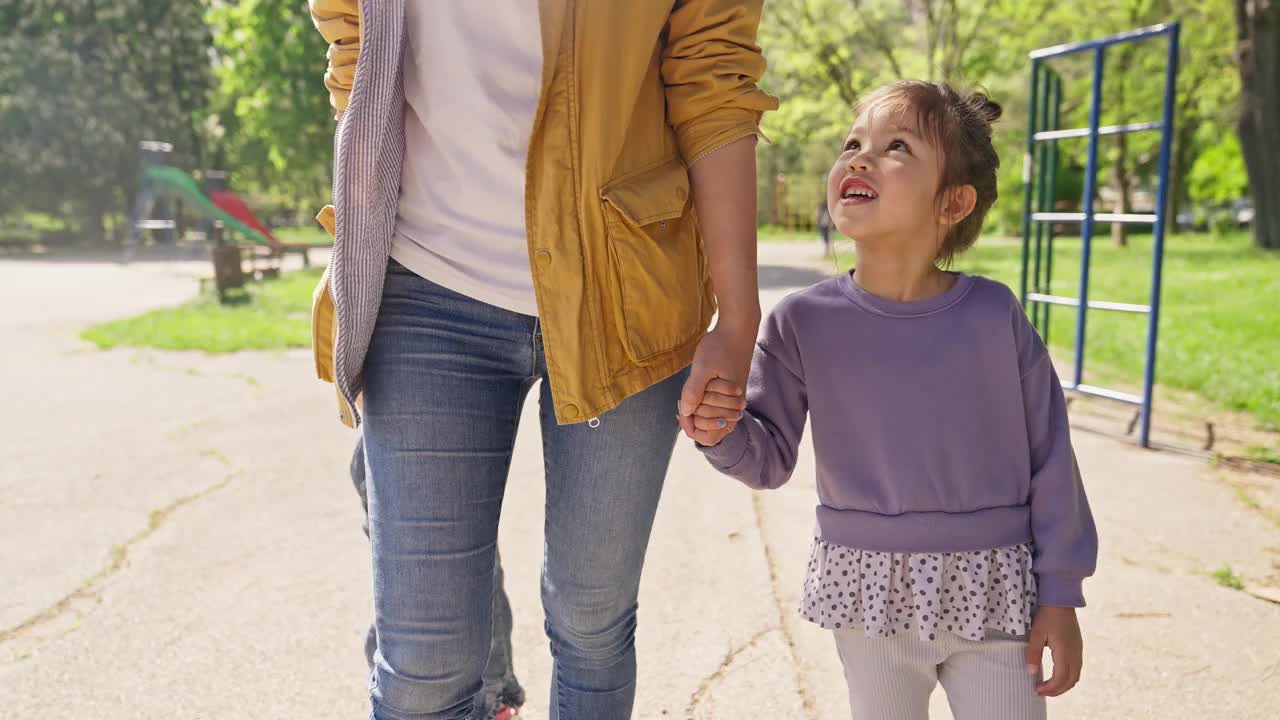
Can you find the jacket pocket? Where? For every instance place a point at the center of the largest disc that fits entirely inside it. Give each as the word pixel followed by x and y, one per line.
pixel 323 318
pixel 656 260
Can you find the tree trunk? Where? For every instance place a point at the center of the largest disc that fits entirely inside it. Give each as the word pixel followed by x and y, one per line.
pixel 93 220
pixel 1122 183
pixel 1121 180
pixel 1179 166
pixel 1258 57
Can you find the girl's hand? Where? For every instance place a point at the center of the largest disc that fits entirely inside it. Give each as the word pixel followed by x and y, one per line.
pixel 1057 628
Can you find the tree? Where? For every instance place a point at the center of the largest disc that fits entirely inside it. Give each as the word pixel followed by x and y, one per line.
pixel 1258 57
pixel 276 123
pixel 81 83
pixel 1206 104
pixel 824 54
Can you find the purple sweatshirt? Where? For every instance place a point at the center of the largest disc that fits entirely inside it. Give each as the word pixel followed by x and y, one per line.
pixel 938 426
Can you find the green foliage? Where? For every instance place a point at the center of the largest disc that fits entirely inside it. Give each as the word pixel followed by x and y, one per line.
pixel 237 86
pixel 824 54
pixel 81 83
pixel 273 122
pixel 1218 175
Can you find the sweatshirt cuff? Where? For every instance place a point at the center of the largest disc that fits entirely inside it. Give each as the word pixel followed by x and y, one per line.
pixel 1060 590
pixel 729 452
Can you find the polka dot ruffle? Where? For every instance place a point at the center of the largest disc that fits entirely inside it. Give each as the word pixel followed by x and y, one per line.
pixel 899 594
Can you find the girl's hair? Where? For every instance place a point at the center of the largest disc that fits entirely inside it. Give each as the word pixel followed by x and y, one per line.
pixel 959 125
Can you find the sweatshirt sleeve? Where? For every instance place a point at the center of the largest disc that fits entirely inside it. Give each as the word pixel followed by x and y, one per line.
pixel 1062 527
pixel 761 451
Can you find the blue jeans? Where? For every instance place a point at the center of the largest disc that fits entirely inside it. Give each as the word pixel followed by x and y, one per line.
pixel 445 380
pixel 500 685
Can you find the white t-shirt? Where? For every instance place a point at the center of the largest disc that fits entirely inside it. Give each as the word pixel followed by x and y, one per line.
pixel 472 74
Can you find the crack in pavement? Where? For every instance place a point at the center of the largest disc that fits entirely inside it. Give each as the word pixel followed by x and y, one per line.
pixel 784 618
pixel 709 681
pixel 91 589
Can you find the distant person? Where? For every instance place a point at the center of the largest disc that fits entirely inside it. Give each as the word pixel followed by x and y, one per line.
pixel 529 193
pixel 953 534
pixel 824 227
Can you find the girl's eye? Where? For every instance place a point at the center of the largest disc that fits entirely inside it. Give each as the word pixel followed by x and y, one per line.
pixel 851 145
pixel 899 145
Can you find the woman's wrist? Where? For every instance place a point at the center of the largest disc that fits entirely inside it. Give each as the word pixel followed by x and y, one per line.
pixel 740 310
pixel 740 318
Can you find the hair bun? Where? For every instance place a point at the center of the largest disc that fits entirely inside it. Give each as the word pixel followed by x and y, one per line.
pixel 988 109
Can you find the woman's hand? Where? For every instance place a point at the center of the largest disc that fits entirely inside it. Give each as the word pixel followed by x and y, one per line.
pixel 718 413
pixel 1057 628
pixel 715 390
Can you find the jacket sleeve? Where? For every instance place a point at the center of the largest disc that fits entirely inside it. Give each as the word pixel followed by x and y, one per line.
pixel 1062 527
pixel 339 22
pixel 710 66
pixel 761 451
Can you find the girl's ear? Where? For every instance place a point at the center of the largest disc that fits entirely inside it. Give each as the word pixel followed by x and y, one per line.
pixel 957 203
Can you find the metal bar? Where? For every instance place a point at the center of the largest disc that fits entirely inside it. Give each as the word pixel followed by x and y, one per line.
pixel 1127 218
pixel 1090 190
pixel 1055 88
pixel 1100 43
pixel 1157 250
pixel 1026 179
pixel 1042 178
pixel 1093 304
pixel 1104 130
pixel 1105 393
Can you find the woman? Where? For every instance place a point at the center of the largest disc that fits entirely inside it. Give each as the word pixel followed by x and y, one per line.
pixel 514 200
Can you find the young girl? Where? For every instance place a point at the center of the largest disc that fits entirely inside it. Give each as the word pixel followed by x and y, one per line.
pixel 953 531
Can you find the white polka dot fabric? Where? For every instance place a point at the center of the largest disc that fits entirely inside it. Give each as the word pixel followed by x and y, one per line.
pixel 890 594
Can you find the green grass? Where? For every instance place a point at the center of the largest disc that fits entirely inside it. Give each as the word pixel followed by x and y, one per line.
pixel 277 316
pixel 1219 317
pixel 1227 578
pixel 1262 454
pixel 310 234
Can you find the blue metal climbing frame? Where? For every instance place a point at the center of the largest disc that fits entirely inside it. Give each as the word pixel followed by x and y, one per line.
pixel 1039 178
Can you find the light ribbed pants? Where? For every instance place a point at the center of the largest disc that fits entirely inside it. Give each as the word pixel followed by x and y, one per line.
pixel 891 679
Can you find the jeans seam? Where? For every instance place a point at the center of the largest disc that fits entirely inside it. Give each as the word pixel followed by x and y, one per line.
pixel 536 342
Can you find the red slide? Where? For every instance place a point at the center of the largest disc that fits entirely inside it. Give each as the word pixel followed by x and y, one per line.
pixel 233 205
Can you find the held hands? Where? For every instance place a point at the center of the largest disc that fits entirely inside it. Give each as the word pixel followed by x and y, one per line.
pixel 717 415
pixel 1056 628
pixel 714 397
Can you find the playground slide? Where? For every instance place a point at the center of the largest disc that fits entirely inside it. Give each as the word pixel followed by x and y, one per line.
pixel 232 204
pixel 172 181
pixel 224 205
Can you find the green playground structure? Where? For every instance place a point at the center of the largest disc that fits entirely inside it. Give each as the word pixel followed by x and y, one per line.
pixel 224 214
pixel 171 181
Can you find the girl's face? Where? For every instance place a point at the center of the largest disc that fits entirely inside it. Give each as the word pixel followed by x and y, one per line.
pixel 884 186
